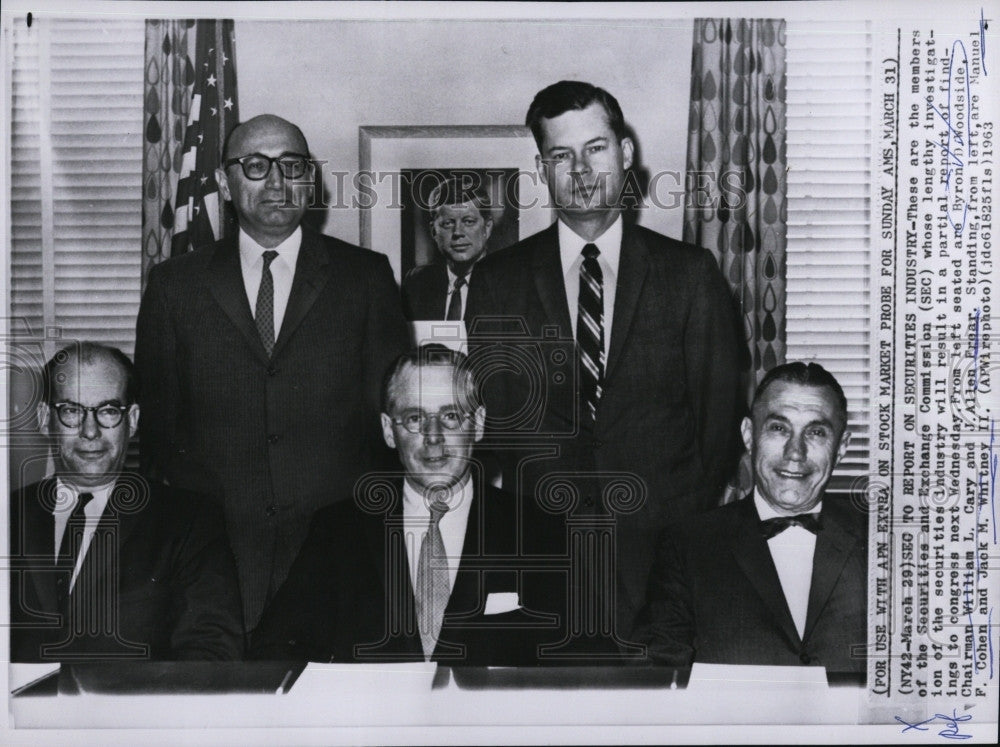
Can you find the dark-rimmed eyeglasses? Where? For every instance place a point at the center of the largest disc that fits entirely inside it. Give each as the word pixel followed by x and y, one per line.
pixel 72 414
pixel 257 166
pixel 418 421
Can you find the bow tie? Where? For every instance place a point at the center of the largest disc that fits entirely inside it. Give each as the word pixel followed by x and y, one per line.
pixel 773 527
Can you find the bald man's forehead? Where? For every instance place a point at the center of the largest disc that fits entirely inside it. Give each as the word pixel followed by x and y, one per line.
pixel 268 135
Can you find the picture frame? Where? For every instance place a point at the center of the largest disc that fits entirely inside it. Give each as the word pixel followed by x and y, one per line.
pixel 393 158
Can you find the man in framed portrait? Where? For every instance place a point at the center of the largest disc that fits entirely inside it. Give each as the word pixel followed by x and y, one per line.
pixel 461 224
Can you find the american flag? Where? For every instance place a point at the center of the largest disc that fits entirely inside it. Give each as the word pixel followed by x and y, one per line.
pixel 199 214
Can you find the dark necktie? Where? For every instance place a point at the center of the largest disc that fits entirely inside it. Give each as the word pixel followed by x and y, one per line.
pixel 772 527
pixel 72 539
pixel 455 302
pixel 590 329
pixel 433 587
pixel 264 315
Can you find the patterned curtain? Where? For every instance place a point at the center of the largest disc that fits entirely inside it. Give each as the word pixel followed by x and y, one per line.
pixel 190 107
pixel 736 182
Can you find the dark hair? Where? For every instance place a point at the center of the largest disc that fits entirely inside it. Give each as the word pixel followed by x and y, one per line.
pixel 433 354
pixel 566 95
pixel 87 352
pixel 457 190
pixel 806 374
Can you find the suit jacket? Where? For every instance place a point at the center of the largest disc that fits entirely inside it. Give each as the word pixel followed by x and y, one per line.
pixel 349 596
pixel 666 424
pixel 714 593
pixel 425 292
pixel 276 437
pixel 158 580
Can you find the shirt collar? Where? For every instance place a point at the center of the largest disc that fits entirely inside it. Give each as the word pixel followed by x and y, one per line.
pixel 765 511
pixel 66 494
pixel 609 242
pixel 452 276
pixel 414 505
pixel 288 250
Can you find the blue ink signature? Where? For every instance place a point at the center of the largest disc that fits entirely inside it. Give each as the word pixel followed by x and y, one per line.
pixel 975 351
pixel 982 40
pixel 950 730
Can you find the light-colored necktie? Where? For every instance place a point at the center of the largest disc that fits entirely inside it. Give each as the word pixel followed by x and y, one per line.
pixel 433 587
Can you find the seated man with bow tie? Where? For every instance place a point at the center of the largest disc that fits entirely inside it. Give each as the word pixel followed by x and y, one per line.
pixel 780 577
pixel 428 564
pixel 103 564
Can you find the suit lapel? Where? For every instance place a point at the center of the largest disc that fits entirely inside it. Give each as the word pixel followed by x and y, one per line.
pixel 437 298
pixel 754 559
pixel 104 554
pixel 466 594
pixel 632 270
pixel 38 527
pixel 312 271
pixel 550 284
pixel 834 545
pixel 226 285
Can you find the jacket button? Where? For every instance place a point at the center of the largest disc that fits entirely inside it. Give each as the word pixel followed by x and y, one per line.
pixel 805 658
pixel 271 510
pixel 273 438
pixel 272 371
pixel 597 443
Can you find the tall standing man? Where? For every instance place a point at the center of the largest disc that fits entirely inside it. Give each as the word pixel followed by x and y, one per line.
pixel 461 223
pixel 260 359
pixel 638 382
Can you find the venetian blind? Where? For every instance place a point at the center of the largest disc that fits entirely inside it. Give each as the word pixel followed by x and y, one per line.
pixel 829 183
pixel 76 178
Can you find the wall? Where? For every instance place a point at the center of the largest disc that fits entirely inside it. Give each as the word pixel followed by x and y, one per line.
pixel 330 77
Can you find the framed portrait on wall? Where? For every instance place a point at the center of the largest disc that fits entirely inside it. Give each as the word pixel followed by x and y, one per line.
pixel 401 166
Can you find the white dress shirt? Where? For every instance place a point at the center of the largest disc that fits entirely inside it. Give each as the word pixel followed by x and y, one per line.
pixel 792 552
pixel 417 518
pixel 570 254
pixel 66 498
pixel 463 292
pixel 282 271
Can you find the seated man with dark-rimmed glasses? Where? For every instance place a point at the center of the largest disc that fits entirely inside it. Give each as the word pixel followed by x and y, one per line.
pixel 103 564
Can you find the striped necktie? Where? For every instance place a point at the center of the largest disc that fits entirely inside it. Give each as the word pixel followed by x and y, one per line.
pixel 264 315
pixel 590 329
pixel 433 586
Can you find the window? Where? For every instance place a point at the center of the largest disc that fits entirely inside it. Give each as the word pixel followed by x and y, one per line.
pixel 76 178
pixel 829 183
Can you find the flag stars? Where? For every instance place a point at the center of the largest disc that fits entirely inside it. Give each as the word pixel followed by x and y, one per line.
pixel 224 58
pixel 215 110
pixel 228 103
pixel 211 80
pixel 204 180
pixel 201 138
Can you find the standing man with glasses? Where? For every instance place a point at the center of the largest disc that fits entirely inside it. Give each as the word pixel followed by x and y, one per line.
pixel 639 372
pixel 430 564
pixel 103 564
pixel 260 358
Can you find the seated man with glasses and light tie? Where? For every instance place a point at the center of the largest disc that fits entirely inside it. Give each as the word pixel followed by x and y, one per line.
pixel 780 577
pixel 103 564
pixel 461 223
pixel 428 564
